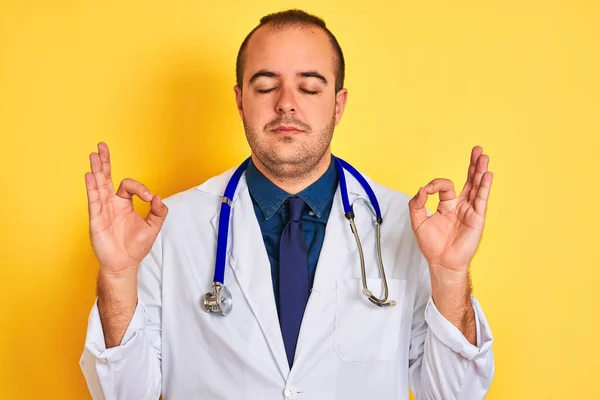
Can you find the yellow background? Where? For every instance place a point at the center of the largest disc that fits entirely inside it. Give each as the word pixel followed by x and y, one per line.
pixel 427 81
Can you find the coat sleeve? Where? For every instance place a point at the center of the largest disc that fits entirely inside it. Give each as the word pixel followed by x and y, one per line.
pixel 443 364
pixel 131 370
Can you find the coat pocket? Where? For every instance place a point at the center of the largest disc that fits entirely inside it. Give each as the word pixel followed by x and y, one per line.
pixel 363 331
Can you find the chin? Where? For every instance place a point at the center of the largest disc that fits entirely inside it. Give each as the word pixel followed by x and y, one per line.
pixel 288 157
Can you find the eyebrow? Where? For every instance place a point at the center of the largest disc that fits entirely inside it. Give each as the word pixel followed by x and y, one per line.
pixel 263 72
pixel 271 74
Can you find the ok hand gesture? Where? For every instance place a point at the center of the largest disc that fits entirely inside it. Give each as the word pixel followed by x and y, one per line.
pixel 449 238
pixel 121 237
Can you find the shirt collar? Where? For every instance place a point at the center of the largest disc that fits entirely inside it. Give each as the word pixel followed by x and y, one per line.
pixel 270 197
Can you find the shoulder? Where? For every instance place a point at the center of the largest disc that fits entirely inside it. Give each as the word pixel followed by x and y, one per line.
pixel 198 203
pixel 391 195
pixel 393 203
pixel 206 191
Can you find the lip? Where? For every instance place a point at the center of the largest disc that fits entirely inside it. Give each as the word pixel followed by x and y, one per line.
pixel 283 128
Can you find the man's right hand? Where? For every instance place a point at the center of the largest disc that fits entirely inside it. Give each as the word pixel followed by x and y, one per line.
pixel 121 238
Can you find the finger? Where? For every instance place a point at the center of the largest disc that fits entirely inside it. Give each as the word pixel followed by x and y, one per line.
pixel 469 183
pixel 130 187
pixel 475 153
pixel 93 196
pixel 445 187
pixel 483 194
pixel 106 167
pixel 417 210
pixel 482 165
pixel 96 166
pixel 157 214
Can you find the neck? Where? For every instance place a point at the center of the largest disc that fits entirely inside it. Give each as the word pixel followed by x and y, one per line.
pixel 294 183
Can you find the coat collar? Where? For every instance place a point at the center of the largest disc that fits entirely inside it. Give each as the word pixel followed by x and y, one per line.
pixel 270 197
pixel 216 185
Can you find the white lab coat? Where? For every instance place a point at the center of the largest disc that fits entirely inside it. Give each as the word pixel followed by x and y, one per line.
pixel 347 348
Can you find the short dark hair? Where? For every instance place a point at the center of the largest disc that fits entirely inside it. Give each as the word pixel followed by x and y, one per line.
pixel 293 18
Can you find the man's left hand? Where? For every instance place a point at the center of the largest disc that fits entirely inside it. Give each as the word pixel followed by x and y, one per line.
pixel 449 238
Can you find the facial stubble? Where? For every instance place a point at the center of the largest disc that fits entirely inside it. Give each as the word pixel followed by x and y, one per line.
pixel 305 155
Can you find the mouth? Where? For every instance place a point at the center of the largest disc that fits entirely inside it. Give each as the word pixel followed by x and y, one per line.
pixel 286 129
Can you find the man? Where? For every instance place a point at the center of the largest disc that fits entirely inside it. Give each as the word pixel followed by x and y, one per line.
pixel 300 326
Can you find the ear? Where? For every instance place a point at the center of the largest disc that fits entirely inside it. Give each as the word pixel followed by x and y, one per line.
pixel 238 100
pixel 340 104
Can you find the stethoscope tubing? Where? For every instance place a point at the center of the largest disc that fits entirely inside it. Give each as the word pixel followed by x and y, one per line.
pixel 212 304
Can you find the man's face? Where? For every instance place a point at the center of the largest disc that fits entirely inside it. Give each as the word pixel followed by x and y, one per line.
pixel 288 103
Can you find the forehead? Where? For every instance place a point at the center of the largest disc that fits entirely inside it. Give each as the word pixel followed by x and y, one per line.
pixel 288 50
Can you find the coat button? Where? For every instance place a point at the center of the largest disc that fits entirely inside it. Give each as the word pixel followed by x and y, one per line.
pixel 289 393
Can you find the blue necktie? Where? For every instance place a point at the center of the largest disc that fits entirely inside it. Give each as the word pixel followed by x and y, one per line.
pixel 293 278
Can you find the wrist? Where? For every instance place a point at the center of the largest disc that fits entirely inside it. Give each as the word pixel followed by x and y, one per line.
pixel 122 274
pixel 119 290
pixel 451 293
pixel 448 276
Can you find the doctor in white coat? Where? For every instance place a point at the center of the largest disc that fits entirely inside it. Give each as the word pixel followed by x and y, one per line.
pixel 148 333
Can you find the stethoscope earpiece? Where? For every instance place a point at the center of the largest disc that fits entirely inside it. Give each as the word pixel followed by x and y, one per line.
pixel 376 301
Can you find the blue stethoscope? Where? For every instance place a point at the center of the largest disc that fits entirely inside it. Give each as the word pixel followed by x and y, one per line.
pixel 220 301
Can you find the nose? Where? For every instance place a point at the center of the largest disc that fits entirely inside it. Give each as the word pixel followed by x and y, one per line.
pixel 286 103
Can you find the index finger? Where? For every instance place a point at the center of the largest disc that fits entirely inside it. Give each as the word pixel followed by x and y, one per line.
pixel 445 187
pixel 130 187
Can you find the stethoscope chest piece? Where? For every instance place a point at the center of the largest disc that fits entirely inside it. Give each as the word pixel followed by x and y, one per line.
pixel 218 301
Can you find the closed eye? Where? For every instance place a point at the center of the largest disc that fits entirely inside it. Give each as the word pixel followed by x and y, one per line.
pixel 265 91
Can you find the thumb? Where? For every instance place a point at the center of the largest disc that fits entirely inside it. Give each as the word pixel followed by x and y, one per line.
pixel 416 207
pixel 157 214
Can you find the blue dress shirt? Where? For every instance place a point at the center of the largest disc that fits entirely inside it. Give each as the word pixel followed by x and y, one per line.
pixel 271 209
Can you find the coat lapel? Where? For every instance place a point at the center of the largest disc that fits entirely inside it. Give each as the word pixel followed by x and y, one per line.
pixel 247 257
pixel 338 259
